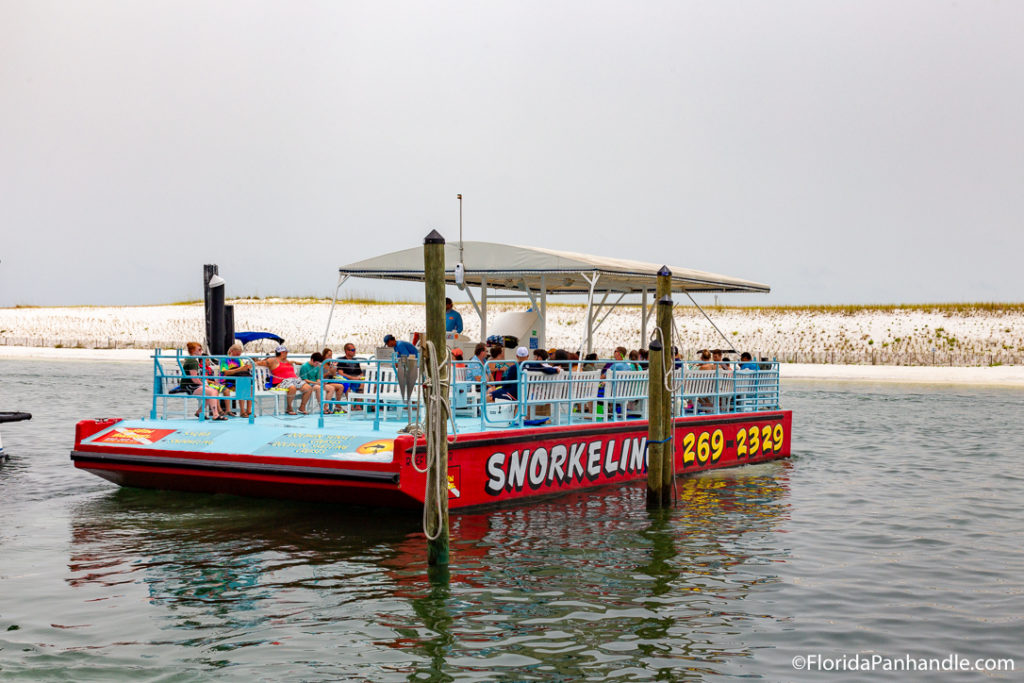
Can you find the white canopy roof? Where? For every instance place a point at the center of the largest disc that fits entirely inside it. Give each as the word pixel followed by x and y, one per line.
pixel 507 266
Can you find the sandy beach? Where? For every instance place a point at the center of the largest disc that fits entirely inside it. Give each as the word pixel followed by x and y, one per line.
pixel 927 345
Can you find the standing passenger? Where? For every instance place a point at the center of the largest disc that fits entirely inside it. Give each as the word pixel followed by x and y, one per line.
pixel 406 371
pixel 452 318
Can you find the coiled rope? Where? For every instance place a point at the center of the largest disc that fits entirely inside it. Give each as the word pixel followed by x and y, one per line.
pixel 438 411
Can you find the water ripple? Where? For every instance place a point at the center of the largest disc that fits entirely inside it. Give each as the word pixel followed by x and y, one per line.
pixel 894 529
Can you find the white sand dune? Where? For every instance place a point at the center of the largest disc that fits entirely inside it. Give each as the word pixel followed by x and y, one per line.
pixel 897 341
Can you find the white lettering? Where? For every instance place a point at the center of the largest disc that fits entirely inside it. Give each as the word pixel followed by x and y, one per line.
pixel 610 463
pixel 575 464
pixel 495 473
pixel 594 460
pixel 558 455
pixel 517 470
pixel 540 457
pixel 638 458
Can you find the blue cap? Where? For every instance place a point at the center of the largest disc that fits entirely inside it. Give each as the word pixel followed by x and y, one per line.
pixel 388 338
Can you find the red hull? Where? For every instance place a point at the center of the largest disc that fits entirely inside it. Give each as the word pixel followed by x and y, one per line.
pixel 490 468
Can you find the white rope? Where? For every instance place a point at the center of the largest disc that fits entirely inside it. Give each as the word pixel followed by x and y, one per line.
pixel 438 411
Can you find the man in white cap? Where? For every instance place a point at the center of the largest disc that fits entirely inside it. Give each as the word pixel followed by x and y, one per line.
pixel 509 386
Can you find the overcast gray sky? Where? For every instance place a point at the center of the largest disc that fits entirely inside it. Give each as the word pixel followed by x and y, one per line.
pixel 843 152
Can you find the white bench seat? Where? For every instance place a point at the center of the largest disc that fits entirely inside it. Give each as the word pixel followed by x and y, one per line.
pixel 625 394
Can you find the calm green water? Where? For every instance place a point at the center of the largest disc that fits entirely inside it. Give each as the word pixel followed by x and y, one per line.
pixel 896 529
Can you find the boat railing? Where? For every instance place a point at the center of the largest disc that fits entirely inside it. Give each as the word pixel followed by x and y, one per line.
pixel 553 392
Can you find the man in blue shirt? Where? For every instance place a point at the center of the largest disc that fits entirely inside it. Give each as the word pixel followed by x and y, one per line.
pixel 620 364
pixel 406 371
pixel 475 367
pixel 746 362
pixel 452 318
pixel 401 347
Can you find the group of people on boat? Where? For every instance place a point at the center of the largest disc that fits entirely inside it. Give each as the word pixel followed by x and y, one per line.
pixel 486 364
pixel 222 381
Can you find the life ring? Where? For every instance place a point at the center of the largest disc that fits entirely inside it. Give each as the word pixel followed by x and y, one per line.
pixel 14 417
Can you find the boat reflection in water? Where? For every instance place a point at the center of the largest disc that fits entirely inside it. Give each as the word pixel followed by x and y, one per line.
pixel 590 581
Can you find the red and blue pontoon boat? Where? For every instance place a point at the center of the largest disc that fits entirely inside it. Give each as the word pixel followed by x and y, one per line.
pixel 573 430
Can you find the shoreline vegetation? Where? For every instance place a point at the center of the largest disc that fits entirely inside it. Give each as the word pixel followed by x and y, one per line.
pixel 911 336
pixel 952 308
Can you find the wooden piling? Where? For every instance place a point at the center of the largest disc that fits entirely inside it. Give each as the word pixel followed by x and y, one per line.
pixel 660 470
pixel 659 457
pixel 664 321
pixel 437 479
pixel 655 425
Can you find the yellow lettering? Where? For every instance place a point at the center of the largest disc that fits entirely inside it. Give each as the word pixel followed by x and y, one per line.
pixel 703 448
pixel 717 444
pixel 688 448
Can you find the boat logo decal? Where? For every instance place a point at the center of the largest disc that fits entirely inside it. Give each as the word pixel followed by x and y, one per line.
pixel 133 436
pixel 375 447
pixel 454 482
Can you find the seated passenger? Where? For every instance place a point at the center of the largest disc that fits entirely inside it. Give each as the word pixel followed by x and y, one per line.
pixel 350 369
pixel 192 367
pixel 497 353
pixel 721 363
pixel 747 362
pixel 620 364
pixel 476 364
pixel 540 364
pixel 508 388
pixel 235 366
pixel 284 377
pixel 706 364
pixel 310 372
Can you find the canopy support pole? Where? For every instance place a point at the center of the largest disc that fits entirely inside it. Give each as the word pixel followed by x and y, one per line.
pixel 341 281
pixel 610 309
pixel 643 320
pixel 483 309
pixel 590 308
pixel 542 338
pixel 728 344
